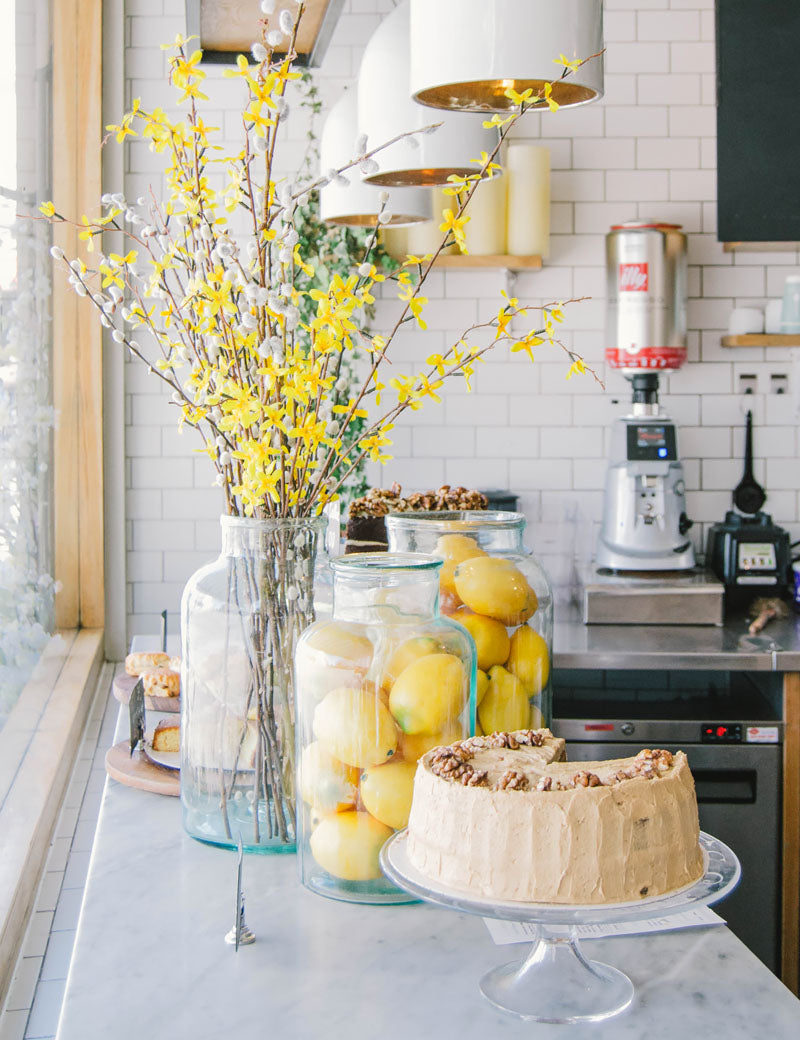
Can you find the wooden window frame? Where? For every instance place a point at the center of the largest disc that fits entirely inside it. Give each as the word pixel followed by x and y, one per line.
pixel 77 334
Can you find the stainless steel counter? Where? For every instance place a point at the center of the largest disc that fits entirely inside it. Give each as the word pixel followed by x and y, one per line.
pixel 576 645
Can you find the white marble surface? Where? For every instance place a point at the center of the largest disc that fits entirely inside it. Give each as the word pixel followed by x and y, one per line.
pixel 150 961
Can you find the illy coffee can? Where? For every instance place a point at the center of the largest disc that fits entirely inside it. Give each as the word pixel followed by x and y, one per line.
pixel 646 295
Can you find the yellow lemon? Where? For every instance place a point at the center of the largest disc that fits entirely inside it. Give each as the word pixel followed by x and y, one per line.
pixel 343 641
pixel 326 783
pixel 491 638
pixel 458 547
pixel 519 617
pixel 347 845
pixel 414 745
pixel 429 694
pixel 408 652
pixel 449 602
pixel 491 586
pixel 529 660
pixel 505 705
pixel 455 548
pixel 386 792
pixel 355 727
pixel 481 686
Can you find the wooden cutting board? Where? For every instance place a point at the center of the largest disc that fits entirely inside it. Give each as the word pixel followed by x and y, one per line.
pixel 123 688
pixel 138 771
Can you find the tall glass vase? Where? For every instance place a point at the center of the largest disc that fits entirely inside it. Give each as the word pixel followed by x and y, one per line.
pixel 241 617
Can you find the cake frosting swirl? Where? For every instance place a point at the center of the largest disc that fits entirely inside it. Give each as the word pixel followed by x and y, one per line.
pixel 505 817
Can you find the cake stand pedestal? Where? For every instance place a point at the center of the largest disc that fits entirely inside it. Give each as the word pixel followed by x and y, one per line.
pixel 556 982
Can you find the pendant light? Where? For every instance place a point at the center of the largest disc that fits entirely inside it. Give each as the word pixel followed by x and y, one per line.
pixel 357 204
pixel 385 109
pixel 466 53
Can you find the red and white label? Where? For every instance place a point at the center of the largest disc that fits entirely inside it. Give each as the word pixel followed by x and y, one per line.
pixel 762 734
pixel 633 277
pixel 646 357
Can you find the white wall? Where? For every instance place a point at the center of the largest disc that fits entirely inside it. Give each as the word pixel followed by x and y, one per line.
pixel 648 149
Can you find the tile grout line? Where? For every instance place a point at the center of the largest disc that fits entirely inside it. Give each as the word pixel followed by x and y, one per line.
pixel 47 945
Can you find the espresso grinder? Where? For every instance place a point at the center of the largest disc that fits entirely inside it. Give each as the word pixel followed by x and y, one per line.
pixel 644 513
pixel 644 569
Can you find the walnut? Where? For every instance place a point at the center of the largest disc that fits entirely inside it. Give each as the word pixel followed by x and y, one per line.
pixel 503 740
pixel 474 777
pixel 530 737
pixel 545 783
pixel 473 744
pixel 451 763
pixel 584 779
pixel 512 780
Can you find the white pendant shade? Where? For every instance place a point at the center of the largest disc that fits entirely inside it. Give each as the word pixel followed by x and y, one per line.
pixel 466 53
pixel 385 109
pixel 357 204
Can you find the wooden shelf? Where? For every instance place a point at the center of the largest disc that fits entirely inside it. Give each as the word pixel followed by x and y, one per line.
pixel 760 247
pixel 472 260
pixel 761 340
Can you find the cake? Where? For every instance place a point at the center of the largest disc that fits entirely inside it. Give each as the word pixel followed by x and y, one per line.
pixel 166 736
pixel 136 663
pixel 366 524
pixel 161 682
pixel 504 817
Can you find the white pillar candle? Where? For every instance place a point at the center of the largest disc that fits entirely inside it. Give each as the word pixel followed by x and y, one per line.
pixel 528 175
pixel 425 238
pixel 485 230
pixel 395 242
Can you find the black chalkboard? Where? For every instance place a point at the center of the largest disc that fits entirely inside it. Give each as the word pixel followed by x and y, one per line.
pixel 758 120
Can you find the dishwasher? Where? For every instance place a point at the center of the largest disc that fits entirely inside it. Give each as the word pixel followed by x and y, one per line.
pixel 729 725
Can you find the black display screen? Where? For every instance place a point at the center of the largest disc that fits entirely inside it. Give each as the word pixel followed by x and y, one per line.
pixel 651 442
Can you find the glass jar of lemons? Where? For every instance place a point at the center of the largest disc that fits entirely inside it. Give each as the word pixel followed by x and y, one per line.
pixel 496 588
pixel 378 685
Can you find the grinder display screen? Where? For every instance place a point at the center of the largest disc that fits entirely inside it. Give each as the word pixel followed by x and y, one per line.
pixel 651 442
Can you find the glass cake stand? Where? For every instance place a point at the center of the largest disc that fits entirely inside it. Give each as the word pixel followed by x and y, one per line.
pixel 556 983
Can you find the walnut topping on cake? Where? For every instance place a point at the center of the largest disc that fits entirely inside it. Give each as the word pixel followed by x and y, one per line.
pixel 474 777
pixel 531 737
pixel 584 779
pixel 381 501
pixel 512 780
pixel 450 763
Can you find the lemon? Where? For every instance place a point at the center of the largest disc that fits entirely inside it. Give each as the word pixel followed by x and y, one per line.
pixel 355 727
pixel 454 548
pixel 347 845
pixel 529 660
pixel 429 694
pixel 505 704
pixel 326 783
pixel 343 641
pixel 408 652
pixel 414 745
pixel 519 617
pixel 491 638
pixel 492 586
pixel 386 792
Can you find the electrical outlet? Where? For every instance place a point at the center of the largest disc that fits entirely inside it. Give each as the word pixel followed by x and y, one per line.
pixel 778 383
pixel 748 383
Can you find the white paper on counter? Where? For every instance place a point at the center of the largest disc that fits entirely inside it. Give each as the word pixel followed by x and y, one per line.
pixel 505 932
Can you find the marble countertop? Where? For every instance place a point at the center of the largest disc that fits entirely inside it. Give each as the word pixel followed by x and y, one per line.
pixel 150 961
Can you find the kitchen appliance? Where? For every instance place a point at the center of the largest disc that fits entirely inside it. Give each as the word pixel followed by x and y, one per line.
pixel 694 597
pixel 644 514
pixel 731 731
pixel 748 553
pixel 646 276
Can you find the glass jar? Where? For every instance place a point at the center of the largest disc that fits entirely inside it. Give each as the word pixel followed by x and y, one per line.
pixel 378 685
pixel 494 586
pixel 240 619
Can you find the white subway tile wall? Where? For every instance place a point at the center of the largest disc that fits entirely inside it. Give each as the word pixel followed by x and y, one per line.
pixel 646 150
